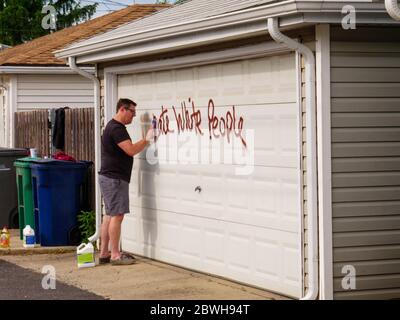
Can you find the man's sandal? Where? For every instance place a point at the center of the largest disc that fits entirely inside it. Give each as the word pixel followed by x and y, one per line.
pixel 104 260
pixel 124 260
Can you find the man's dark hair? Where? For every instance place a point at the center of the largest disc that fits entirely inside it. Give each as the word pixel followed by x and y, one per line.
pixel 125 103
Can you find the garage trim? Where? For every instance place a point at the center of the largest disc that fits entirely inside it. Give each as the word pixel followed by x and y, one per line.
pixel 323 83
pixel 301 176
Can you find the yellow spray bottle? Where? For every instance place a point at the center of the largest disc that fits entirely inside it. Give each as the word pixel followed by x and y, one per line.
pixel 5 238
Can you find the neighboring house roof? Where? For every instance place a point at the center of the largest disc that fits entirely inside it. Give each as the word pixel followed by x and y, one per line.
pixel 201 22
pixel 40 51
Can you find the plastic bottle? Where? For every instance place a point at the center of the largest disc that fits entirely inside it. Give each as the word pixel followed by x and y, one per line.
pixel 5 238
pixel 29 237
pixel 85 254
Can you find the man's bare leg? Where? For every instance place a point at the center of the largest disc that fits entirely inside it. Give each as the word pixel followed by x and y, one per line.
pixel 105 238
pixel 114 232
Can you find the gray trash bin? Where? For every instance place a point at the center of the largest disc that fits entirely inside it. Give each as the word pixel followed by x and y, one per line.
pixel 8 193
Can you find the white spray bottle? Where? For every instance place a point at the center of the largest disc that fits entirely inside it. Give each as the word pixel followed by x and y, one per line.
pixel 29 237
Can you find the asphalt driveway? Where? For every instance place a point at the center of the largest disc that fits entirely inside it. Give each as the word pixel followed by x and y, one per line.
pixel 17 283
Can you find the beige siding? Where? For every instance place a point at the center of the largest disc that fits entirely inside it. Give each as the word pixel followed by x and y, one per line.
pixel 365 93
pixel 53 91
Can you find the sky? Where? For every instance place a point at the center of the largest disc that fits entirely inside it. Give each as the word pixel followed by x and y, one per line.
pixel 106 6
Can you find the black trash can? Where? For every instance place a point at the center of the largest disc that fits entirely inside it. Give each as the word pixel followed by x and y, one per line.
pixel 8 194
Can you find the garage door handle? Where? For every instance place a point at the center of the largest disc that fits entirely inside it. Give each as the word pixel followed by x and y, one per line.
pixel 198 189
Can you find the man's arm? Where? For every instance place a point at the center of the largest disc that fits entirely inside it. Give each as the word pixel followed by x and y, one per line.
pixel 132 149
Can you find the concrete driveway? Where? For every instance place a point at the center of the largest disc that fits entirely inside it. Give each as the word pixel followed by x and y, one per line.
pixel 146 280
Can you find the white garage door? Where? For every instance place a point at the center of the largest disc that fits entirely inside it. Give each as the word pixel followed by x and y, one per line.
pixel 212 215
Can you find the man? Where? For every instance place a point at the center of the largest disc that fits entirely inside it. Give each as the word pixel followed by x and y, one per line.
pixel 114 177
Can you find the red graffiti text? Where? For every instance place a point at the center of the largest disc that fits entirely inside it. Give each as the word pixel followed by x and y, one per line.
pixel 187 121
pixel 224 126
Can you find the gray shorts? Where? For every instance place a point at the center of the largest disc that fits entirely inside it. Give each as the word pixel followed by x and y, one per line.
pixel 115 194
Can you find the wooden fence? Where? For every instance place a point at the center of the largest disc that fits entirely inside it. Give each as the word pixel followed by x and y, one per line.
pixel 33 130
pixel 79 133
pixel 79 143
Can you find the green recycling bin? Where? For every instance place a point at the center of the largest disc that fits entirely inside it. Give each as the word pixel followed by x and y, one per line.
pixel 26 211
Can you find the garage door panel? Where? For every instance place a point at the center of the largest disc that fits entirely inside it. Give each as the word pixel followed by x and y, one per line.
pixel 251 254
pixel 258 95
pixel 164 86
pixel 130 229
pixel 190 205
pixel 214 250
pixel 263 80
pixel 235 76
pixel 185 83
pixel 269 198
pixel 192 249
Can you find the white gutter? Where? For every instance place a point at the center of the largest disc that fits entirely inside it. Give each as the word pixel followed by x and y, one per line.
pixel 41 70
pixel 309 58
pixel 393 9
pixel 7 122
pixel 97 137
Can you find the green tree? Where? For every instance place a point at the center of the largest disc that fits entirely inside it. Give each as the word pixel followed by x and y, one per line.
pixel 70 12
pixel 21 20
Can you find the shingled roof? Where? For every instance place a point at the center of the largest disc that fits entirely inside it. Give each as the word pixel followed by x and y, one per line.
pixel 39 52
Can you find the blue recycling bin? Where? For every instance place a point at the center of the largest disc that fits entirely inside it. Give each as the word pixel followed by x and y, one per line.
pixel 57 192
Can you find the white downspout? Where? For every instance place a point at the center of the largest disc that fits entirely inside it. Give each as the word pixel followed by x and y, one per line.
pixel 5 120
pixel 392 7
pixel 308 55
pixel 96 81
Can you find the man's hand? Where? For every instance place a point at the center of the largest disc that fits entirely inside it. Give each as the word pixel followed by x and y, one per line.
pixel 150 135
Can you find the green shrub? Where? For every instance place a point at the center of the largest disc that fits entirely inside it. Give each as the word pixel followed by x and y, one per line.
pixel 87 224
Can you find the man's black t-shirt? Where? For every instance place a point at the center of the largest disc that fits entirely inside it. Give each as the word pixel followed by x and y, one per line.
pixel 115 163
